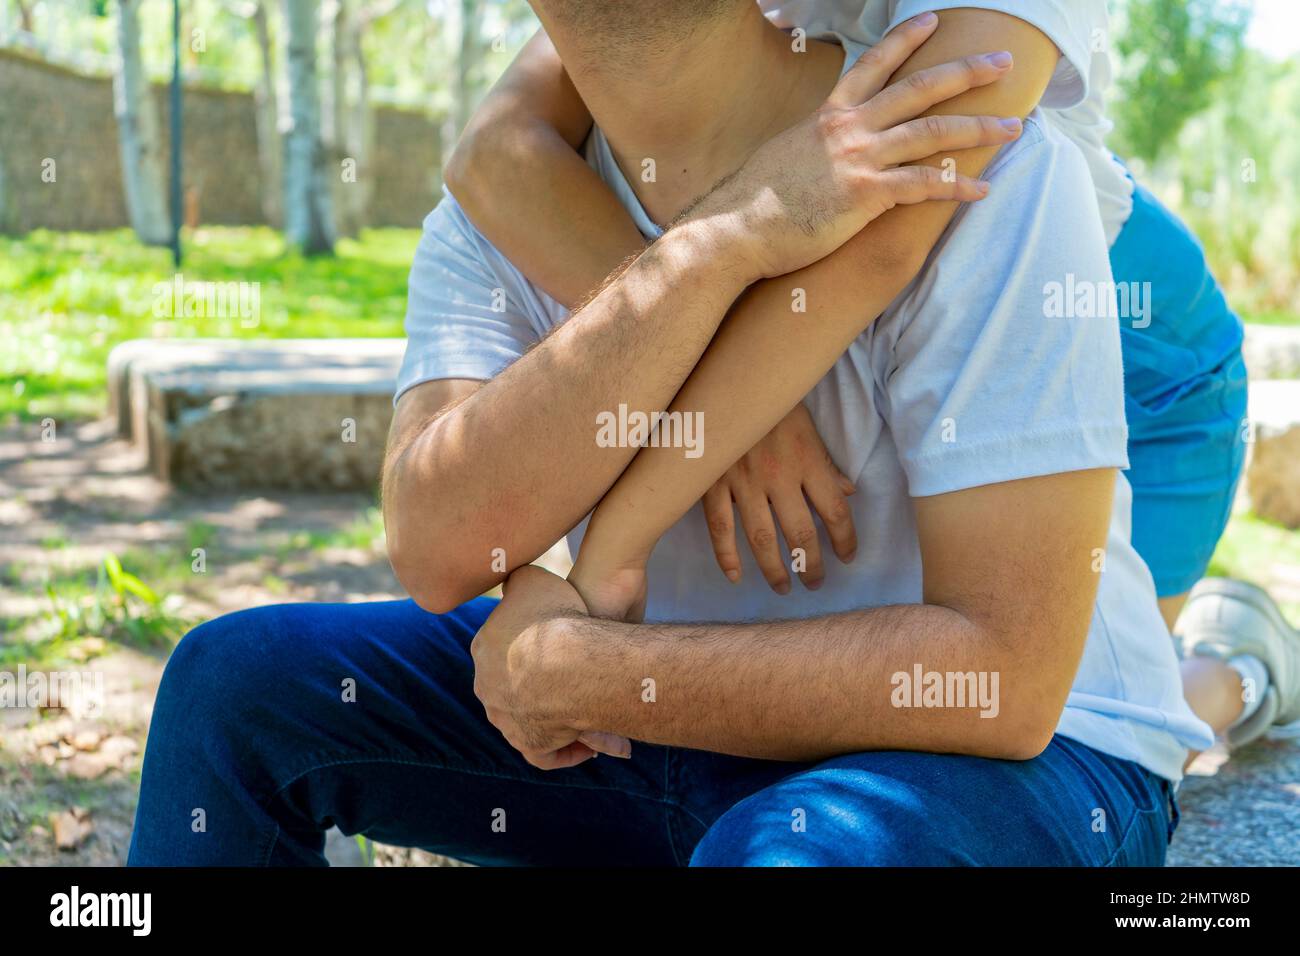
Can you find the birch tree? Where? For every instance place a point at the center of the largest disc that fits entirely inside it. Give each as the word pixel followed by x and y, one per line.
pixel 308 206
pixel 138 135
pixel 348 121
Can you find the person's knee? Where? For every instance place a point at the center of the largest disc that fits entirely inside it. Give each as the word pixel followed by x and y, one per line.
pixel 225 669
pixel 815 823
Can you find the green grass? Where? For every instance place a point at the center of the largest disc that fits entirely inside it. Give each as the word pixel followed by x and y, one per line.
pixel 1271 317
pixel 1250 548
pixel 67 298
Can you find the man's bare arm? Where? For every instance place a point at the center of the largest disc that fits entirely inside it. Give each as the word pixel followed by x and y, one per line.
pixel 1009 587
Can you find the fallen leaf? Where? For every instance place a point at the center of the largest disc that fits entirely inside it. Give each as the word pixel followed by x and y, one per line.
pixel 86 766
pixel 118 747
pixel 71 828
pixel 86 739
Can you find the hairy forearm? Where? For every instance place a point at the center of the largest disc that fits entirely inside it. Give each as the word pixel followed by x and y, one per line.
pixel 805 689
pixel 521 452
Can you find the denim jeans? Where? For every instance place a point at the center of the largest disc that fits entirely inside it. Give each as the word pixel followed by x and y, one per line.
pixel 276 723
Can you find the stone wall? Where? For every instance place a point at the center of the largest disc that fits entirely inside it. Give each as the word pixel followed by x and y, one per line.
pixel 48 111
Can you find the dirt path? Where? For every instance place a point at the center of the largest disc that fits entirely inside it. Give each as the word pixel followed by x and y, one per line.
pixel 63 506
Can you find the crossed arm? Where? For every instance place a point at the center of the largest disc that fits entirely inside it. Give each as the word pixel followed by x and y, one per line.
pixel 999 593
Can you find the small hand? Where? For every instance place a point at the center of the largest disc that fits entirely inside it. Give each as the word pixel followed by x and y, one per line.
pixel 530 705
pixel 785 471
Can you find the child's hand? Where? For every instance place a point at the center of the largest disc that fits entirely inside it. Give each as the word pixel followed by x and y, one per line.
pixel 780 475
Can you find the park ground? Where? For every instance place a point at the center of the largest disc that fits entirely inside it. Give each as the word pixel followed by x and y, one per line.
pixel 96 570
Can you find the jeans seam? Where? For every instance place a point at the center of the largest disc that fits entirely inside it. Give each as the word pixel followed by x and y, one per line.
pixel 675 837
pixel 1128 831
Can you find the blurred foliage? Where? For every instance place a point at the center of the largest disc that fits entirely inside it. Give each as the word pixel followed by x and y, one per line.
pixel 1231 175
pixel 1174 54
pixel 67 298
pixel 1214 128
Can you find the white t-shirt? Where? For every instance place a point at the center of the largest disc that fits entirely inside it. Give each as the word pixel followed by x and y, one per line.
pixel 964 381
pixel 1075 97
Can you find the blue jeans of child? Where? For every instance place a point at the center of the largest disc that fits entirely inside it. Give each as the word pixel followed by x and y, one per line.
pixel 276 723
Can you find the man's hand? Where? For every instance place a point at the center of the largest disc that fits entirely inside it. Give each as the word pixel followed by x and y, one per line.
pixel 811 188
pixel 522 697
pixel 781 475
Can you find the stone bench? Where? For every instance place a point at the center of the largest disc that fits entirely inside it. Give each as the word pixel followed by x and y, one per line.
pixel 1272 351
pixel 1273 468
pixel 219 414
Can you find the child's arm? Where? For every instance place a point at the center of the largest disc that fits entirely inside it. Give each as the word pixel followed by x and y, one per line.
pixel 771 356
pixel 518 176
pixel 522 142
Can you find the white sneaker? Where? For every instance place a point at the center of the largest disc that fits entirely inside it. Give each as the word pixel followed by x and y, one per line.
pixel 1224 618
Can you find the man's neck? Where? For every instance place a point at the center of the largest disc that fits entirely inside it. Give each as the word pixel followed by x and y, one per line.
pixel 679 122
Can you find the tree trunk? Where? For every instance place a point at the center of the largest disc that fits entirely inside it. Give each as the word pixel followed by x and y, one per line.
pixel 308 213
pixel 334 117
pixel 464 83
pixel 25 21
pixel 349 117
pixel 468 63
pixel 137 131
pixel 270 144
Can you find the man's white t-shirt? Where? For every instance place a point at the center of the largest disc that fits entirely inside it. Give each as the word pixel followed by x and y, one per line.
pixel 969 378
pixel 1074 100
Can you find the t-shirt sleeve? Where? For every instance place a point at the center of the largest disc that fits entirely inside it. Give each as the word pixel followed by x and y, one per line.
pixel 1075 26
pixel 463 318
pixel 1005 356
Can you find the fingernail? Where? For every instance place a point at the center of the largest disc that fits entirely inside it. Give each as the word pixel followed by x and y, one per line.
pixel 782 588
pixel 733 576
pixel 982 188
pixel 813 585
pixel 1001 59
pixel 924 19
pixel 1010 124
pixel 848 558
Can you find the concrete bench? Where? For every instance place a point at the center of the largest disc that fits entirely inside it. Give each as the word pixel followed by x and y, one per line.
pixel 1273 468
pixel 219 414
pixel 1272 351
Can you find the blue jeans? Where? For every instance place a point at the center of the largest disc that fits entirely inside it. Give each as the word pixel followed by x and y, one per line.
pixel 276 723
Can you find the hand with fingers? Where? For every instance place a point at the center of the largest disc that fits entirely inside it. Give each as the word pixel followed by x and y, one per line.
pixel 811 188
pixel 781 481
pixel 527 693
